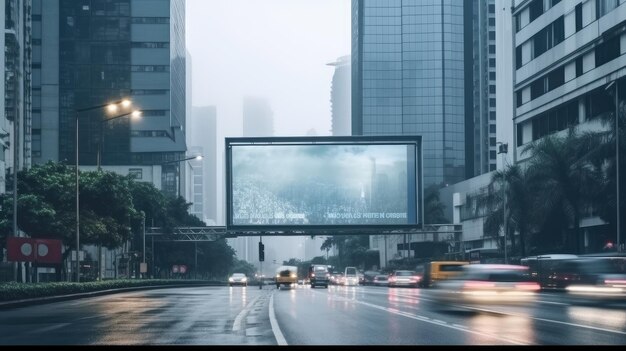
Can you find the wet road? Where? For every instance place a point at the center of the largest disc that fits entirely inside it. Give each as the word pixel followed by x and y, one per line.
pixel 304 316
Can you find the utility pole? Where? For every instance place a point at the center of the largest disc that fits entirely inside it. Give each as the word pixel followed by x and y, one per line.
pixel 503 149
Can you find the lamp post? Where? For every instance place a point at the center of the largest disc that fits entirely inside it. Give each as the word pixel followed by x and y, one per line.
pixel 617 202
pixel 111 106
pixel 503 149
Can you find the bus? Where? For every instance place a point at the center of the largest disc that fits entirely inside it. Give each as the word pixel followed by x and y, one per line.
pixel 546 270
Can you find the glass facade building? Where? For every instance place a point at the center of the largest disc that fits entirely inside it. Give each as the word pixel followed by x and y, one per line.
pixel 408 78
pixel 98 51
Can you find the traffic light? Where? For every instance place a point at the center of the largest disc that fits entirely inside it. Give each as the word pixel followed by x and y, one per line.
pixel 261 252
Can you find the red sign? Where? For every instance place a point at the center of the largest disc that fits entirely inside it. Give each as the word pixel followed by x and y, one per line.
pixel 34 250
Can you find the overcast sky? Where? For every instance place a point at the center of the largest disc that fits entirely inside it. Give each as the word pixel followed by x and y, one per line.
pixel 277 49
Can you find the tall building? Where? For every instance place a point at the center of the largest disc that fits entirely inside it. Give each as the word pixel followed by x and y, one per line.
pixel 481 88
pixel 408 78
pixel 16 120
pixel 340 97
pixel 195 181
pixel 202 133
pixel 569 65
pixel 87 53
pixel 258 117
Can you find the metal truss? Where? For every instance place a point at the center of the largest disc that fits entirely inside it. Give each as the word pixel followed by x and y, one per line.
pixel 214 233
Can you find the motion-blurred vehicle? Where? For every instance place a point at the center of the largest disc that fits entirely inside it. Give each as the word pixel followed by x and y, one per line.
pixel 238 279
pixel 381 280
pixel 319 275
pixel 486 284
pixel 368 277
pixel 440 270
pixel 549 271
pixel 404 278
pixel 339 279
pixel 286 276
pixel 351 276
pixel 596 279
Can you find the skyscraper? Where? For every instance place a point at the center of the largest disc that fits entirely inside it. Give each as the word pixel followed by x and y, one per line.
pixel 99 51
pixel 16 78
pixel 340 97
pixel 408 78
pixel 203 134
pixel 258 117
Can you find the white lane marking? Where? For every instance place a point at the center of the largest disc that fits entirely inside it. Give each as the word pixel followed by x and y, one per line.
pixel 431 321
pixel 280 338
pixel 49 328
pixel 239 318
pixel 527 316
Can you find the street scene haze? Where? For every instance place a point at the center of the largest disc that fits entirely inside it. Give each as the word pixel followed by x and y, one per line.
pixel 313 172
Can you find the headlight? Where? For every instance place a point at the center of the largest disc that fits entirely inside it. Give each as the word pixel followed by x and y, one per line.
pixel 230 279
pixel 293 275
pixel 244 279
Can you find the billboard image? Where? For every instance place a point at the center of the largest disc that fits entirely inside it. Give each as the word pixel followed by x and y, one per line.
pixel 319 182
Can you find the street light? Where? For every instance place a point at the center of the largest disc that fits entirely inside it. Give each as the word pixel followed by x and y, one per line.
pixel 124 103
pixel 617 222
pixel 503 149
pixel 133 114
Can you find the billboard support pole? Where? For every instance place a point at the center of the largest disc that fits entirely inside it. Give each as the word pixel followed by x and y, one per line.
pixel 261 264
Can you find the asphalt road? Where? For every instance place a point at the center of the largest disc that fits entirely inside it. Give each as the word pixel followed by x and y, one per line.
pixel 304 316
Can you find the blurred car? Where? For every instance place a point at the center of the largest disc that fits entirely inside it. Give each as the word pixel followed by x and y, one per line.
pixel 339 279
pixel 238 279
pixel 488 284
pixel 440 270
pixel 596 279
pixel 319 275
pixel 404 278
pixel 286 276
pixel 381 280
pixel 368 277
pixel 351 276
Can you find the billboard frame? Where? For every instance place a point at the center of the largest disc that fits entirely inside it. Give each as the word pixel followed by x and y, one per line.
pixel 278 230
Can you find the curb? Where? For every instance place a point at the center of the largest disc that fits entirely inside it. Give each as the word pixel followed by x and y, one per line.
pixel 57 298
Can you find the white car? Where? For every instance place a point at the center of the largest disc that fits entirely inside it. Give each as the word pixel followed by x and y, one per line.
pixel 490 284
pixel 238 279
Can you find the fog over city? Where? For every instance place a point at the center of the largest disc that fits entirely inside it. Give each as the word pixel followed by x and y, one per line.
pixel 276 50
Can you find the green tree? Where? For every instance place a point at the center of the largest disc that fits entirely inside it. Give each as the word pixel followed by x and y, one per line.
pixel 433 208
pixel 565 178
pixel 519 206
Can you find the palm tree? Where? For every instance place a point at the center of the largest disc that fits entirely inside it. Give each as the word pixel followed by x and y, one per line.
pixel 519 199
pixel 565 180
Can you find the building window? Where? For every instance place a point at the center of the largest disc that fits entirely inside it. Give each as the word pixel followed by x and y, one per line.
pixel 492 141
pixel 579 66
pixel 519 131
pixel 492 167
pixel 150 45
pixel 607 51
pixel 492 128
pixel 518 95
pixel 492 21
pixel 518 57
pixel 136 173
pixel 492 102
pixel 492 75
pixel 536 9
pixel 492 155
pixel 605 6
pixel 492 35
pixel 492 89
pixel 492 8
pixel 150 20
pixel 492 49
pixel 492 62
pixel 548 37
pixel 579 16
pixel 492 115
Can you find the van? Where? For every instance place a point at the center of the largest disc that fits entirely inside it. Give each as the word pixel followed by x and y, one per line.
pixel 319 275
pixel 286 276
pixel 440 270
pixel 351 276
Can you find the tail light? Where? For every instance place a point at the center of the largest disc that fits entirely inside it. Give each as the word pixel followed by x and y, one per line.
pixel 615 282
pixel 312 274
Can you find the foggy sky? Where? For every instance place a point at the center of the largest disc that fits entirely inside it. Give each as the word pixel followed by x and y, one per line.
pixel 277 49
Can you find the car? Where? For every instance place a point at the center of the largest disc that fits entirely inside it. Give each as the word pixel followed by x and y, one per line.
pixel 381 280
pixel 286 276
pixel 440 270
pixel 351 276
pixel 404 278
pixel 488 284
pixel 368 277
pixel 238 279
pixel 595 280
pixel 319 275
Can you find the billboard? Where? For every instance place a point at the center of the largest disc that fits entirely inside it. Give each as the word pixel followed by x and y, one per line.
pixel 300 183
